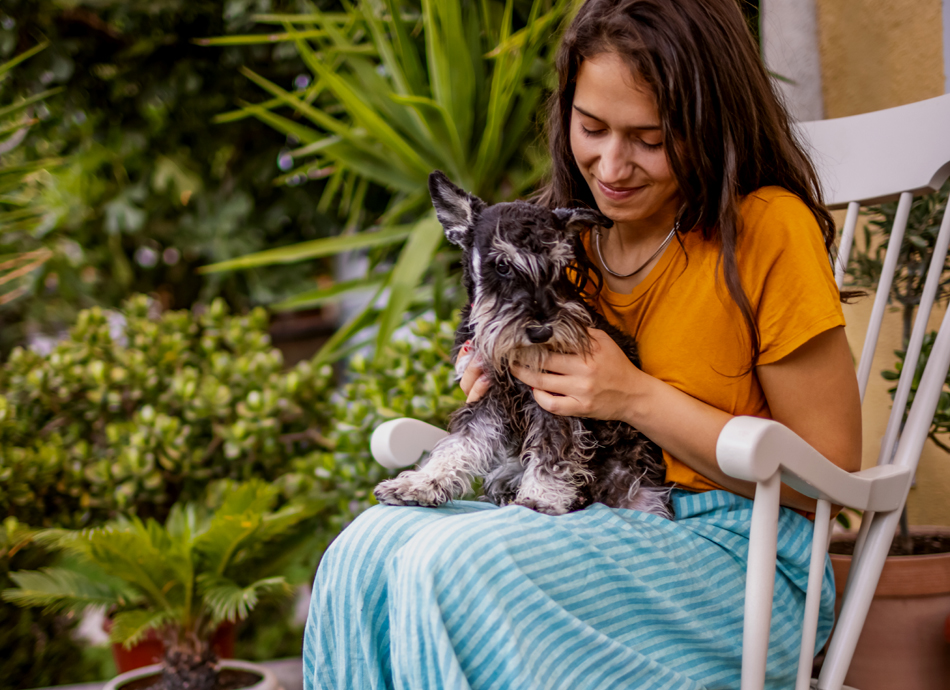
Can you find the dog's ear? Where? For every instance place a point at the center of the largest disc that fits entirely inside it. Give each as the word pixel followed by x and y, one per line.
pixel 455 208
pixel 577 219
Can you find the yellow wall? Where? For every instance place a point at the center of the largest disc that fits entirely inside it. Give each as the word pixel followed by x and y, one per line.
pixel 877 54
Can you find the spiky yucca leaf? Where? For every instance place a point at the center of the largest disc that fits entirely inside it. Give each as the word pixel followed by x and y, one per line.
pixel 228 601
pixel 21 206
pixel 60 590
pixel 395 103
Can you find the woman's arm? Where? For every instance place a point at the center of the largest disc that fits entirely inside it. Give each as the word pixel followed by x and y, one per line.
pixel 813 391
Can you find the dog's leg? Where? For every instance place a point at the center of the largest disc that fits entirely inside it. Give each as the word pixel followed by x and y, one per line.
pixel 469 451
pixel 556 454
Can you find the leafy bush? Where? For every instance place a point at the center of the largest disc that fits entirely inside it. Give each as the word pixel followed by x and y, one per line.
pixel 150 188
pixel 132 412
pixel 414 376
pixel 136 410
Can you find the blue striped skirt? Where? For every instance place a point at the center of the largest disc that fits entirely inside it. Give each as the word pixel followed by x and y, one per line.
pixel 469 595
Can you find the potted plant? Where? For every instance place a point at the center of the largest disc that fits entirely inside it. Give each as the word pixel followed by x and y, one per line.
pixel 902 643
pixel 183 579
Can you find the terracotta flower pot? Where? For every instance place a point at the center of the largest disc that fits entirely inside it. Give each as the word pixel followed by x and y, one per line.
pixel 902 644
pixel 151 650
pixel 141 676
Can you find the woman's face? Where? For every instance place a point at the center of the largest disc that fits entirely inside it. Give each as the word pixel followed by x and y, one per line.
pixel 618 146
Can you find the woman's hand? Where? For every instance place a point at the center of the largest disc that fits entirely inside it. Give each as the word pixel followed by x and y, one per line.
pixel 600 386
pixel 474 382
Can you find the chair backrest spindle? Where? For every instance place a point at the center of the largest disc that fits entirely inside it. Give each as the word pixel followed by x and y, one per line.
pixel 847 239
pixel 882 296
pixel 913 348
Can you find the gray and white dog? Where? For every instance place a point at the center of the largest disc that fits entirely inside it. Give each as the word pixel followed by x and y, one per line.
pixel 523 306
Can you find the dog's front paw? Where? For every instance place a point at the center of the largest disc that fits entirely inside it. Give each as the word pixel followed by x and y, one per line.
pixel 412 488
pixel 542 507
pixel 557 499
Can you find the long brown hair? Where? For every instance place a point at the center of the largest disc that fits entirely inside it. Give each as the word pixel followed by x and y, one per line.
pixel 727 132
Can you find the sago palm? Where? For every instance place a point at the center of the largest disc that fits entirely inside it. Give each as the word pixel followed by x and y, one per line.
pixel 182 579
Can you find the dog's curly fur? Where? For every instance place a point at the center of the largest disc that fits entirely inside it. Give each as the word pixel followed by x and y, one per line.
pixel 522 307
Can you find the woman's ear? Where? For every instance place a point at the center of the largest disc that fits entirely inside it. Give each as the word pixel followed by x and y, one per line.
pixel 577 219
pixel 455 208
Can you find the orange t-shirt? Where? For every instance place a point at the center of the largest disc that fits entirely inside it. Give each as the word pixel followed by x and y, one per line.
pixel 692 335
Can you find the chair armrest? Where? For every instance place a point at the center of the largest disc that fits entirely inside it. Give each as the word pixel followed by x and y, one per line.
pixel 401 442
pixel 755 449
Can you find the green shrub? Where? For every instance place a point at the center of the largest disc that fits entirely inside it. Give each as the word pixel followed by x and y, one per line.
pixel 135 410
pixel 149 188
pixel 413 377
pixel 132 412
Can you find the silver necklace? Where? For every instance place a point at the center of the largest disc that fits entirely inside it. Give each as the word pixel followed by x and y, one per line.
pixel 643 265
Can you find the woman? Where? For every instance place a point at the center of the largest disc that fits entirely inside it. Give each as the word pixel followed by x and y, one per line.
pixel 717 263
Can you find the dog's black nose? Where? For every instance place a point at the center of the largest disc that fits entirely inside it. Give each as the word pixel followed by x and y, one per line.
pixel 540 334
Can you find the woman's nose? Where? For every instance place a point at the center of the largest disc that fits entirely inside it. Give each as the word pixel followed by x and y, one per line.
pixel 615 161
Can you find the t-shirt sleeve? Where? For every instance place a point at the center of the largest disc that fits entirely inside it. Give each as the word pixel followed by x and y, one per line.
pixel 787 275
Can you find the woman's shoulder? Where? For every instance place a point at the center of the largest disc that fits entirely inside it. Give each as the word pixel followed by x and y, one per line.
pixel 773 201
pixel 775 216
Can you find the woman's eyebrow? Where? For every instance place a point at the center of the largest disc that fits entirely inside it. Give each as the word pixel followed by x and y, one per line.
pixel 594 117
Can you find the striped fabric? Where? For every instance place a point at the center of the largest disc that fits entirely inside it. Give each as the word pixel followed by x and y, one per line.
pixel 473 596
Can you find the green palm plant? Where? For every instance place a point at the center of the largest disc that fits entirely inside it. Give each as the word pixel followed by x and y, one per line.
pixel 21 207
pixel 182 579
pixel 453 85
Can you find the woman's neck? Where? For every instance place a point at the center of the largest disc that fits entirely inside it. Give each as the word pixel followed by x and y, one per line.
pixel 630 249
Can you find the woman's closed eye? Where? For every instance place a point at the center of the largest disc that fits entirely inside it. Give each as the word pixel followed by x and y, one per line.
pixel 591 132
pixel 640 142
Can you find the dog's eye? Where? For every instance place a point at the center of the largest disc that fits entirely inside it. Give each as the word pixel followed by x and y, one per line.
pixel 503 268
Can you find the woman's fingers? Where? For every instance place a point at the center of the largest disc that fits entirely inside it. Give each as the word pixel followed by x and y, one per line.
pixel 470 376
pixel 473 383
pixel 560 363
pixel 478 389
pixel 557 404
pixel 543 380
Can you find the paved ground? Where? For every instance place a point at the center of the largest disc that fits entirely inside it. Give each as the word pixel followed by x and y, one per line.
pixel 289 674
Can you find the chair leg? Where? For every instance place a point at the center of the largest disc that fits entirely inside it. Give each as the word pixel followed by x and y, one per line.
pixel 816 571
pixel 760 583
pixel 861 585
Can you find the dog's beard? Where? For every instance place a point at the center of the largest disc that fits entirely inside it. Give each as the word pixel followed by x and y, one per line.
pixel 501 333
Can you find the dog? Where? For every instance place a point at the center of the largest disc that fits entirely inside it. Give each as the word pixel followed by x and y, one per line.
pixel 523 306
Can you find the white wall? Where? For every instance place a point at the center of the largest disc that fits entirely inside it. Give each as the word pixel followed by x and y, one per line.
pixel 790 48
pixel 946 46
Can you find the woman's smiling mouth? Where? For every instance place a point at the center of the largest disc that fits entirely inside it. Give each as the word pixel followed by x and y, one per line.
pixel 617 193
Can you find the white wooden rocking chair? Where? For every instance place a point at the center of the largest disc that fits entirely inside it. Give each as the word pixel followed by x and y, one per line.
pixel 863 159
